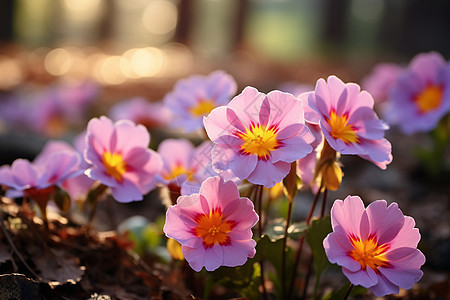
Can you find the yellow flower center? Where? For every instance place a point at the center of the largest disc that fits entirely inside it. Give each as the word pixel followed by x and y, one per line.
pixel 369 253
pixel 429 99
pixel 114 164
pixel 202 108
pixel 340 129
pixel 177 171
pixel 213 229
pixel 259 140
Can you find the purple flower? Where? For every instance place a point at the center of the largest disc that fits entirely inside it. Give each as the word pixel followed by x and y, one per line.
pixel 140 111
pixel 380 81
pixel 258 136
pixel 348 121
pixel 187 166
pixel 194 97
pixel 56 163
pixel 214 226
pixel 421 95
pixel 120 158
pixel 376 247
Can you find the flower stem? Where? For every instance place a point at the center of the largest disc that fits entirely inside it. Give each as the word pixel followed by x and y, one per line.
pixel 348 292
pixel 300 242
pixel 283 253
pixel 311 258
pixel 92 198
pixel 258 202
pixel 258 196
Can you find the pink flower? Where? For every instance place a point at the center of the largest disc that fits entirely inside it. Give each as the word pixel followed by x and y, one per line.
pixel 348 121
pixel 62 106
pixel 140 111
pixel 56 163
pixel 380 81
pixel 376 247
pixel 179 164
pixel 120 158
pixel 78 187
pixel 421 95
pixel 187 166
pixel 194 97
pixel 258 136
pixel 214 226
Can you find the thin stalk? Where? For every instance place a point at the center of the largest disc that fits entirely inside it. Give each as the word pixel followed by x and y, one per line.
pixel 324 201
pixel 258 196
pixel 300 242
pixel 311 258
pixel 348 291
pixel 283 253
pixel 258 202
pixel 308 276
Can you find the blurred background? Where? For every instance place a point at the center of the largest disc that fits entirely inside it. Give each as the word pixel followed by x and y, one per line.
pixel 148 44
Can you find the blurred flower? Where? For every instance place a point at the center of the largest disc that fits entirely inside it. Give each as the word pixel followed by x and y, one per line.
pixel 120 158
pixel 61 107
pixel 42 179
pixel 78 187
pixel 214 226
pixel 178 161
pixel 187 166
pixel 305 170
pixel 381 79
pixel 376 247
pixel 348 121
pixel 421 95
pixel 194 97
pixel 140 111
pixel 258 136
pixel 51 167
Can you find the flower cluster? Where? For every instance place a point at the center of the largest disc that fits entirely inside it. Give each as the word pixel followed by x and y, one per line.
pixel 254 140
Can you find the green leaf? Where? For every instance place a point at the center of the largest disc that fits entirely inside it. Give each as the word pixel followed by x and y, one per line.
pixel 275 229
pixel 315 236
pixel 244 279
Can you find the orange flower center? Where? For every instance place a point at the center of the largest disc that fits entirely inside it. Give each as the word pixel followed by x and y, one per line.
pixel 177 171
pixel 369 253
pixel 202 108
pixel 114 164
pixel 259 140
pixel 429 99
pixel 340 129
pixel 213 228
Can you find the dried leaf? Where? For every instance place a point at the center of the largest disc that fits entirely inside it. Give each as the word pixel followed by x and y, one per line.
pixel 57 267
